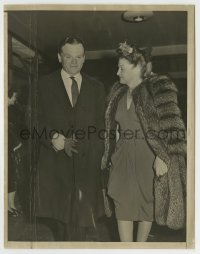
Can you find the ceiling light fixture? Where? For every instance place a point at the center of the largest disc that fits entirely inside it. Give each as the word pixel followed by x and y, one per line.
pixel 139 19
pixel 132 16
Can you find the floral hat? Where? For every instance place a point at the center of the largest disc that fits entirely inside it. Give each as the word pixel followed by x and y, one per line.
pixel 125 50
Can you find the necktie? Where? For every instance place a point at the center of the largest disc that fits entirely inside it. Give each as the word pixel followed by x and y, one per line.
pixel 74 90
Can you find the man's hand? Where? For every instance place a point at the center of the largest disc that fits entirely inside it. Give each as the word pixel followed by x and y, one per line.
pixel 70 144
pixel 160 167
pixel 58 142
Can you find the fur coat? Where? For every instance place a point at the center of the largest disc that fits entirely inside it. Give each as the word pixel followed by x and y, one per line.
pixel 156 106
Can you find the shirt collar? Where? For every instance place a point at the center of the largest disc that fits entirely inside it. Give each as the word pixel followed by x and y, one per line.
pixel 66 75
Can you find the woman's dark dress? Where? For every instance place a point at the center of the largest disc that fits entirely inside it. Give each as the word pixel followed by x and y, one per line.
pixel 131 178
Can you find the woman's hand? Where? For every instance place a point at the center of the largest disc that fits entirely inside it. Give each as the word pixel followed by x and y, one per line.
pixel 160 167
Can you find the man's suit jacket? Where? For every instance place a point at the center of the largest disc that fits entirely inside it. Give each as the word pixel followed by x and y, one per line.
pixel 58 175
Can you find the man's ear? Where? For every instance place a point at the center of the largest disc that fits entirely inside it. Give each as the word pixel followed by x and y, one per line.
pixel 84 58
pixel 59 58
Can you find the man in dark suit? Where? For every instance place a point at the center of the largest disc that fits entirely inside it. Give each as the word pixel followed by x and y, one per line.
pixel 71 119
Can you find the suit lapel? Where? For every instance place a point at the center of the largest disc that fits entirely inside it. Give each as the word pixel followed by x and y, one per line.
pixel 63 97
pixel 85 93
pixel 85 105
pixel 61 94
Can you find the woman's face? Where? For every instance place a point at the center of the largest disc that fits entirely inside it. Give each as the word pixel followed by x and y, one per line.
pixel 128 72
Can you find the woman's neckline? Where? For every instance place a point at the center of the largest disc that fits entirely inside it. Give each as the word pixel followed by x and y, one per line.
pixel 127 94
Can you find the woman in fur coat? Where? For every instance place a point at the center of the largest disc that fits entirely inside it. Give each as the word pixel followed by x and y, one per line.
pixel 147 164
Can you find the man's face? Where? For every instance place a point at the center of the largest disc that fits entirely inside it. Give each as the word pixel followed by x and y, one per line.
pixel 72 58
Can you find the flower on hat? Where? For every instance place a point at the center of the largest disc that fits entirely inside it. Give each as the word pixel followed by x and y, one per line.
pixel 125 48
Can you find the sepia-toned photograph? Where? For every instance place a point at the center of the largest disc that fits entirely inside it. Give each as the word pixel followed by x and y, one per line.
pixel 99 126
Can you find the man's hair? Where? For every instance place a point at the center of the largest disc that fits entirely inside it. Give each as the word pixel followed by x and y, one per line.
pixel 70 40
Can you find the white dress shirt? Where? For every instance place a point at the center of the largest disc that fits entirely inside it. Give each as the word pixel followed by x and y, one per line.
pixel 68 82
